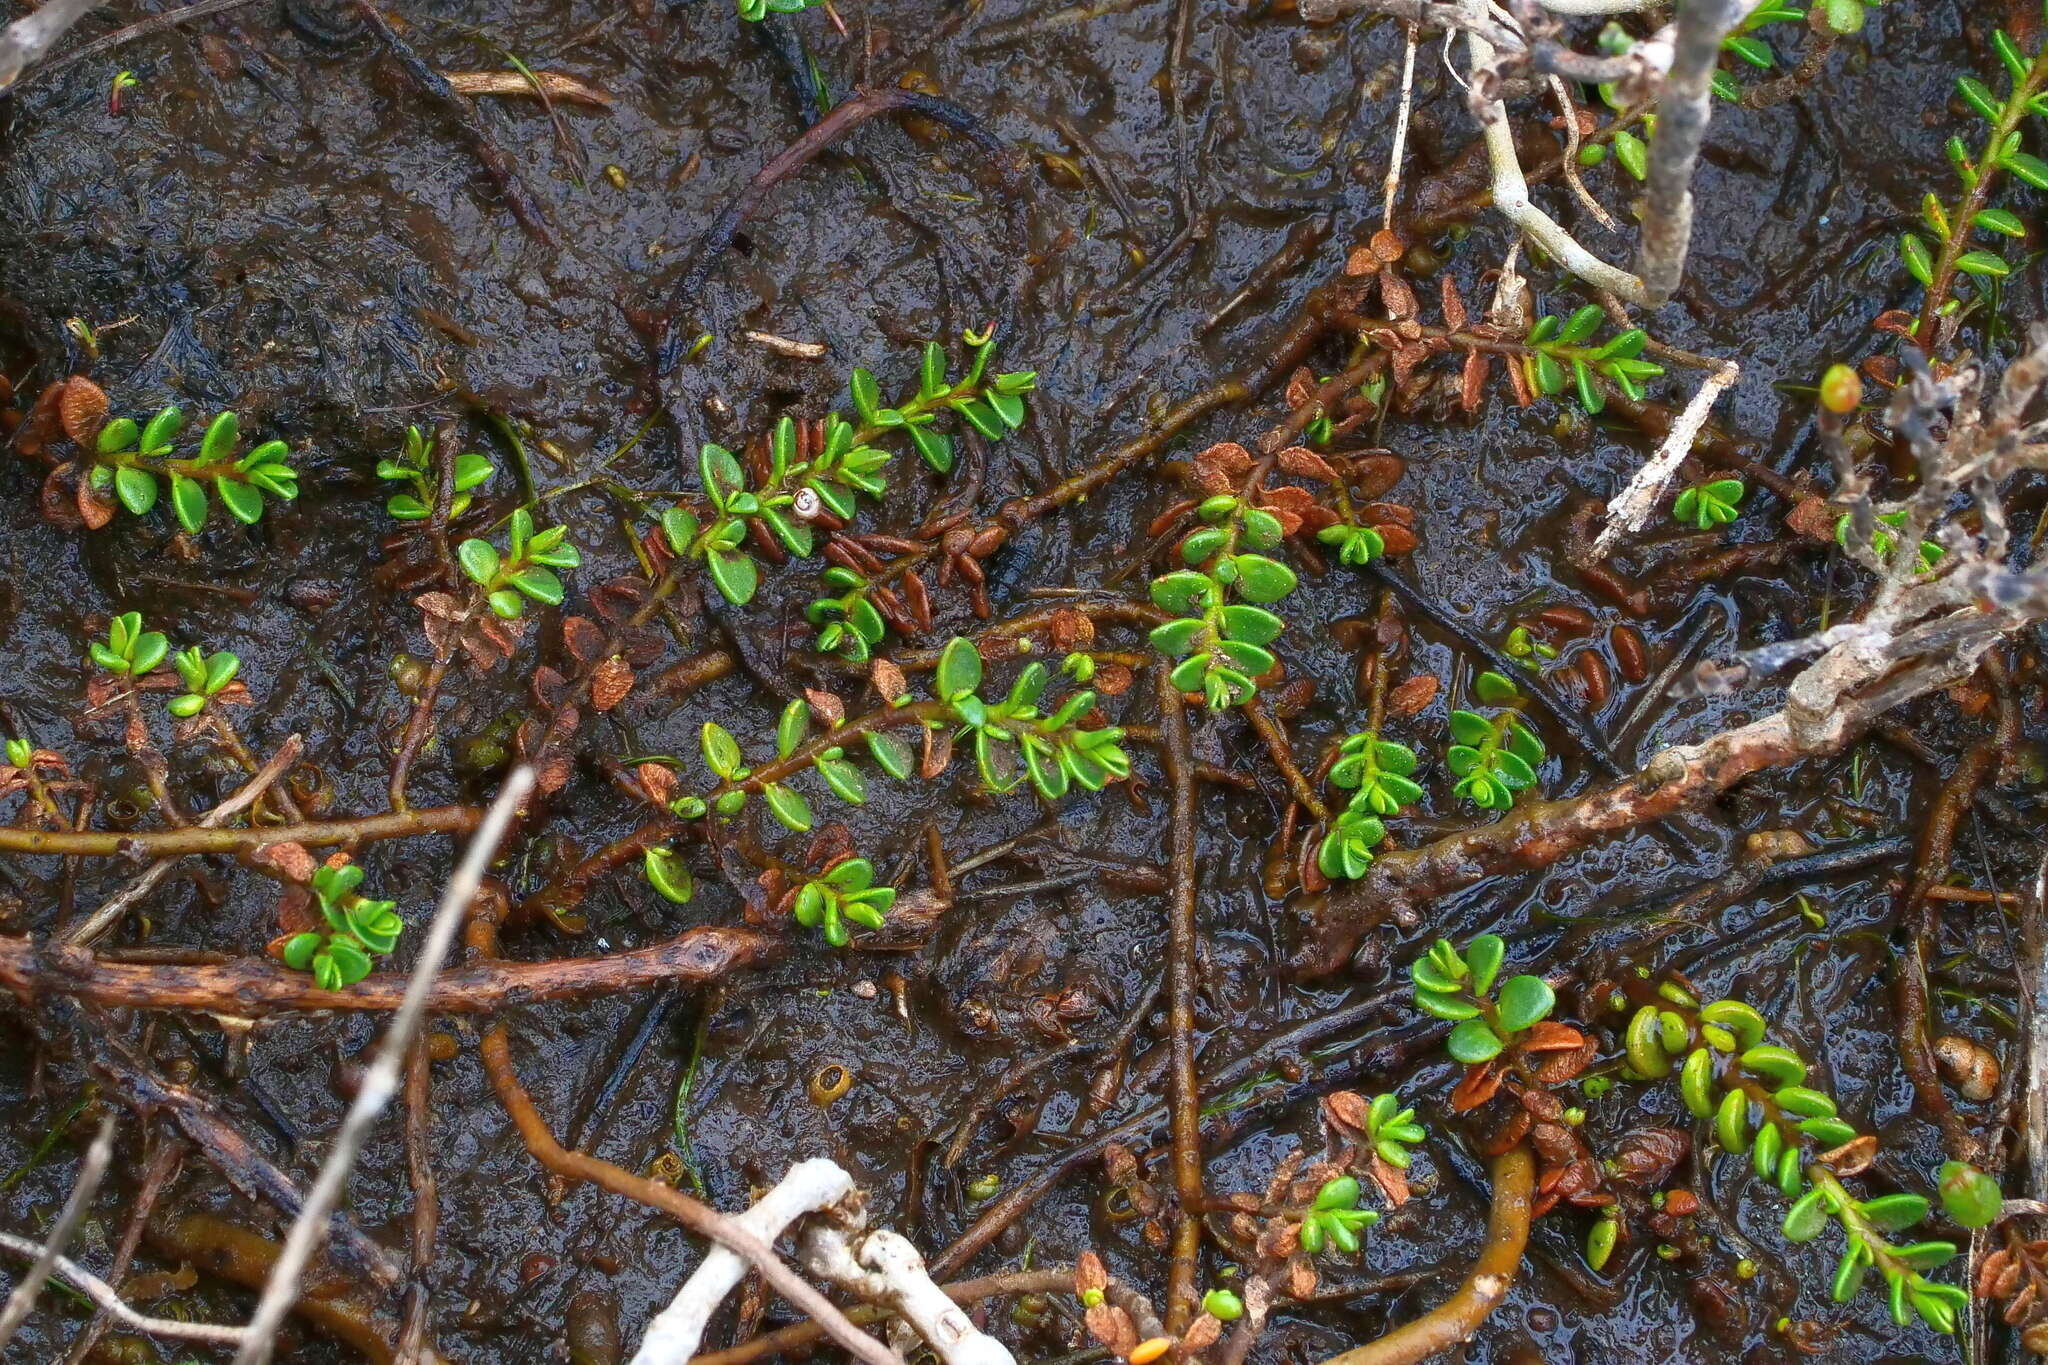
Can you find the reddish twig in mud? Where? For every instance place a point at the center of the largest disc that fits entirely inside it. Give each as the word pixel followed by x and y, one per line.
pixel 426 1200
pixel 848 115
pixel 1443 1328
pixel 170 843
pixel 699 1218
pixel 1916 914
pixel 337 1304
pixel 1183 1089
pixel 504 174
pixel 253 987
pixel 1273 735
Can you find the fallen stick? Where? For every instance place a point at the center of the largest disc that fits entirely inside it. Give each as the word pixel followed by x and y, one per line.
pixel 252 987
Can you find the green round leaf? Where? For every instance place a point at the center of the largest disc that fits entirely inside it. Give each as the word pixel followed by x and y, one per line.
pixel 1472 1042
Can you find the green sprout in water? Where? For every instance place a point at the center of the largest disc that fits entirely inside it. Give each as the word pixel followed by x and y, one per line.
pixel 129 651
pixel 525 570
pixel 357 930
pixel 1756 1096
pixel 1391 1129
pixel 135 461
pixel 1559 351
pixel 1459 986
pixel 411 466
pixel 845 894
pixel 1335 1218
pixel 1706 505
pixel 1493 757
pixel 205 676
pixel 1222 645
pixel 1377 772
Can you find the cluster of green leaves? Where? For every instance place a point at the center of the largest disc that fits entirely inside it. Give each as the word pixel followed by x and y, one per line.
pixel 844 466
pixel 358 929
pixel 204 675
pixel 754 11
pixel 845 894
pixel 1559 353
pixel 1015 741
pixel 1335 1218
pixel 1392 1129
pixel 1322 428
pixel 1493 757
pixel 1705 505
pixel 136 460
pixel 992 404
pixel 1755 1094
pixel 2001 152
pixel 1221 644
pixel 1459 986
pixel 525 570
pixel 1377 772
pixel 471 471
pixel 848 622
pixel 1842 16
pixel 1884 542
pixel 129 651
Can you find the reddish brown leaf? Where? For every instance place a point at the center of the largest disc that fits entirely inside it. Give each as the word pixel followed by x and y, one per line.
pixel 1361 261
pixel 1304 463
pixel 1473 390
pixel 582 637
pixel 1479 1085
pixel 1455 316
pixel 1388 245
pixel 82 410
pixel 610 684
pixel 830 710
pixel 1412 695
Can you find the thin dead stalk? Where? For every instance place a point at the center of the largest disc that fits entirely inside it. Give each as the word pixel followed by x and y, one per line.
pixel 380 1080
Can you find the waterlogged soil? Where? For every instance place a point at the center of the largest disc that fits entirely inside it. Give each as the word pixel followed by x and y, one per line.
pixel 278 221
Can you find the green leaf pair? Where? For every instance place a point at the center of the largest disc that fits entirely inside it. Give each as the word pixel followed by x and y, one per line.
pixel 525 571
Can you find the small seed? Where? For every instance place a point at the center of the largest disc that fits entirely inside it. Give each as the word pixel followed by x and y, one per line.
pixel 616 175
pixel 1969 1065
pixel 1567 620
pixel 1599 685
pixel 1631 655
pixel 1145 1352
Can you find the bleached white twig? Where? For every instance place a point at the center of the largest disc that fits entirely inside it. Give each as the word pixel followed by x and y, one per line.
pixel 108 1298
pixel 1391 186
pixel 27 39
pixel 887 1269
pixel 1630 511
pixel 1569 112
pixel 380 1079
pixel 90 1172
pixel 1511 187
pixel 672 1337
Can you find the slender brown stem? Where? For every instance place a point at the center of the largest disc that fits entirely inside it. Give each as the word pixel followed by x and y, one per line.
pixel 251 987
pixel 1441 1329
pixel 1274 736
pixel 426 1199
pixel 1183 1089
pixel 169 843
